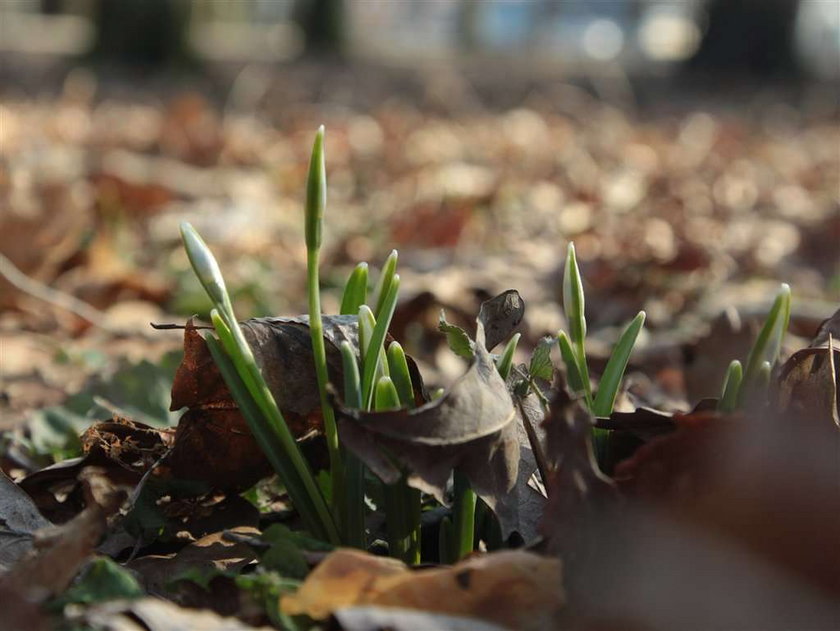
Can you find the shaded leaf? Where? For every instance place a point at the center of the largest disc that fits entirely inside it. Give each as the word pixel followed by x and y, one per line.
pixel 59 551
pixel 210 554
pixel 19 520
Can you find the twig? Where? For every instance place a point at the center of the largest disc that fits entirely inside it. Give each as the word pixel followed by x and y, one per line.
pixel 52 296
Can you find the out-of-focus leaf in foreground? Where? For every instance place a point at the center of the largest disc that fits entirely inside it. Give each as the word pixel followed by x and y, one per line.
pixel 516 589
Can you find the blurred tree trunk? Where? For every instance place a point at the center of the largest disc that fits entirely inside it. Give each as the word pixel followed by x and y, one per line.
pixel 323 23
pixel 748 37
pixel 140 32
pixel 467 28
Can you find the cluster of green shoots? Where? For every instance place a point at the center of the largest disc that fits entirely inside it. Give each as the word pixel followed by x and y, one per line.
pixel 739 385
pixel 378 378
pixel 573 352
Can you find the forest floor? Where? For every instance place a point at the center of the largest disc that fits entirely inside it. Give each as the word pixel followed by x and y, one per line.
pixel 693 211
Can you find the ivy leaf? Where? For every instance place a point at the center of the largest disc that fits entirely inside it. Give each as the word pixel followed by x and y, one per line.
pixel 541 366
pixel 456 337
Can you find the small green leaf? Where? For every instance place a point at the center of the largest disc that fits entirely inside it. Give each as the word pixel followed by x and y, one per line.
pixel 383 285
pixel 456 337
pixel 573 300
pixel 352 383
pixel 613 373
pixel 265 589
pixel 572 371
pixel 400 375
pixel 375 350
pixel 769 341
pixel 541 366
pixel 103 579
pixel 386 396
pixel 505 360
pixel 355 290
pixel 731 387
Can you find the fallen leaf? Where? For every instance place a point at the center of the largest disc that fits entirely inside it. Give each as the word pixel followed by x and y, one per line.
pixel 121 448
pixel 59 551
pixel 516 589
pixel 209 554
pixel 213 442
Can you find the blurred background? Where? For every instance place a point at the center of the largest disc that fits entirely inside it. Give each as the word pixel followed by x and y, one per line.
pixel 690 149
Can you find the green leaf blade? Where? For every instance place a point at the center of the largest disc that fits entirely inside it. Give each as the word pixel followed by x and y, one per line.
pixel 611 379
pixel 355 290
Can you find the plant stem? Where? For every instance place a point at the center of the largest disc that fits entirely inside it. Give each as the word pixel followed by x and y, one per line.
pixel 316 330
pixel 316 198
pixel 354 501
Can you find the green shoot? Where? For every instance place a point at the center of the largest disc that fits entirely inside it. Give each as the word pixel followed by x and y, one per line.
pixel 371 355
pixel 769 341
pixel 383 285
pixel 505 360
pixel 616 365
pixel 731 387
pixel 386 396
pixel 574 307
pixel 398 369
pixel 573 375
pixel 355 291
pixel 316 198
pixel 245 380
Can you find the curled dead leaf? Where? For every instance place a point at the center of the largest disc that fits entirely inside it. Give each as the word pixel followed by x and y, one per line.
pixel 471 427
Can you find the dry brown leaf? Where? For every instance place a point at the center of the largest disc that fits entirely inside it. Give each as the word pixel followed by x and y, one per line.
pixel 122 449
pixel 516 589
pixel 213 442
